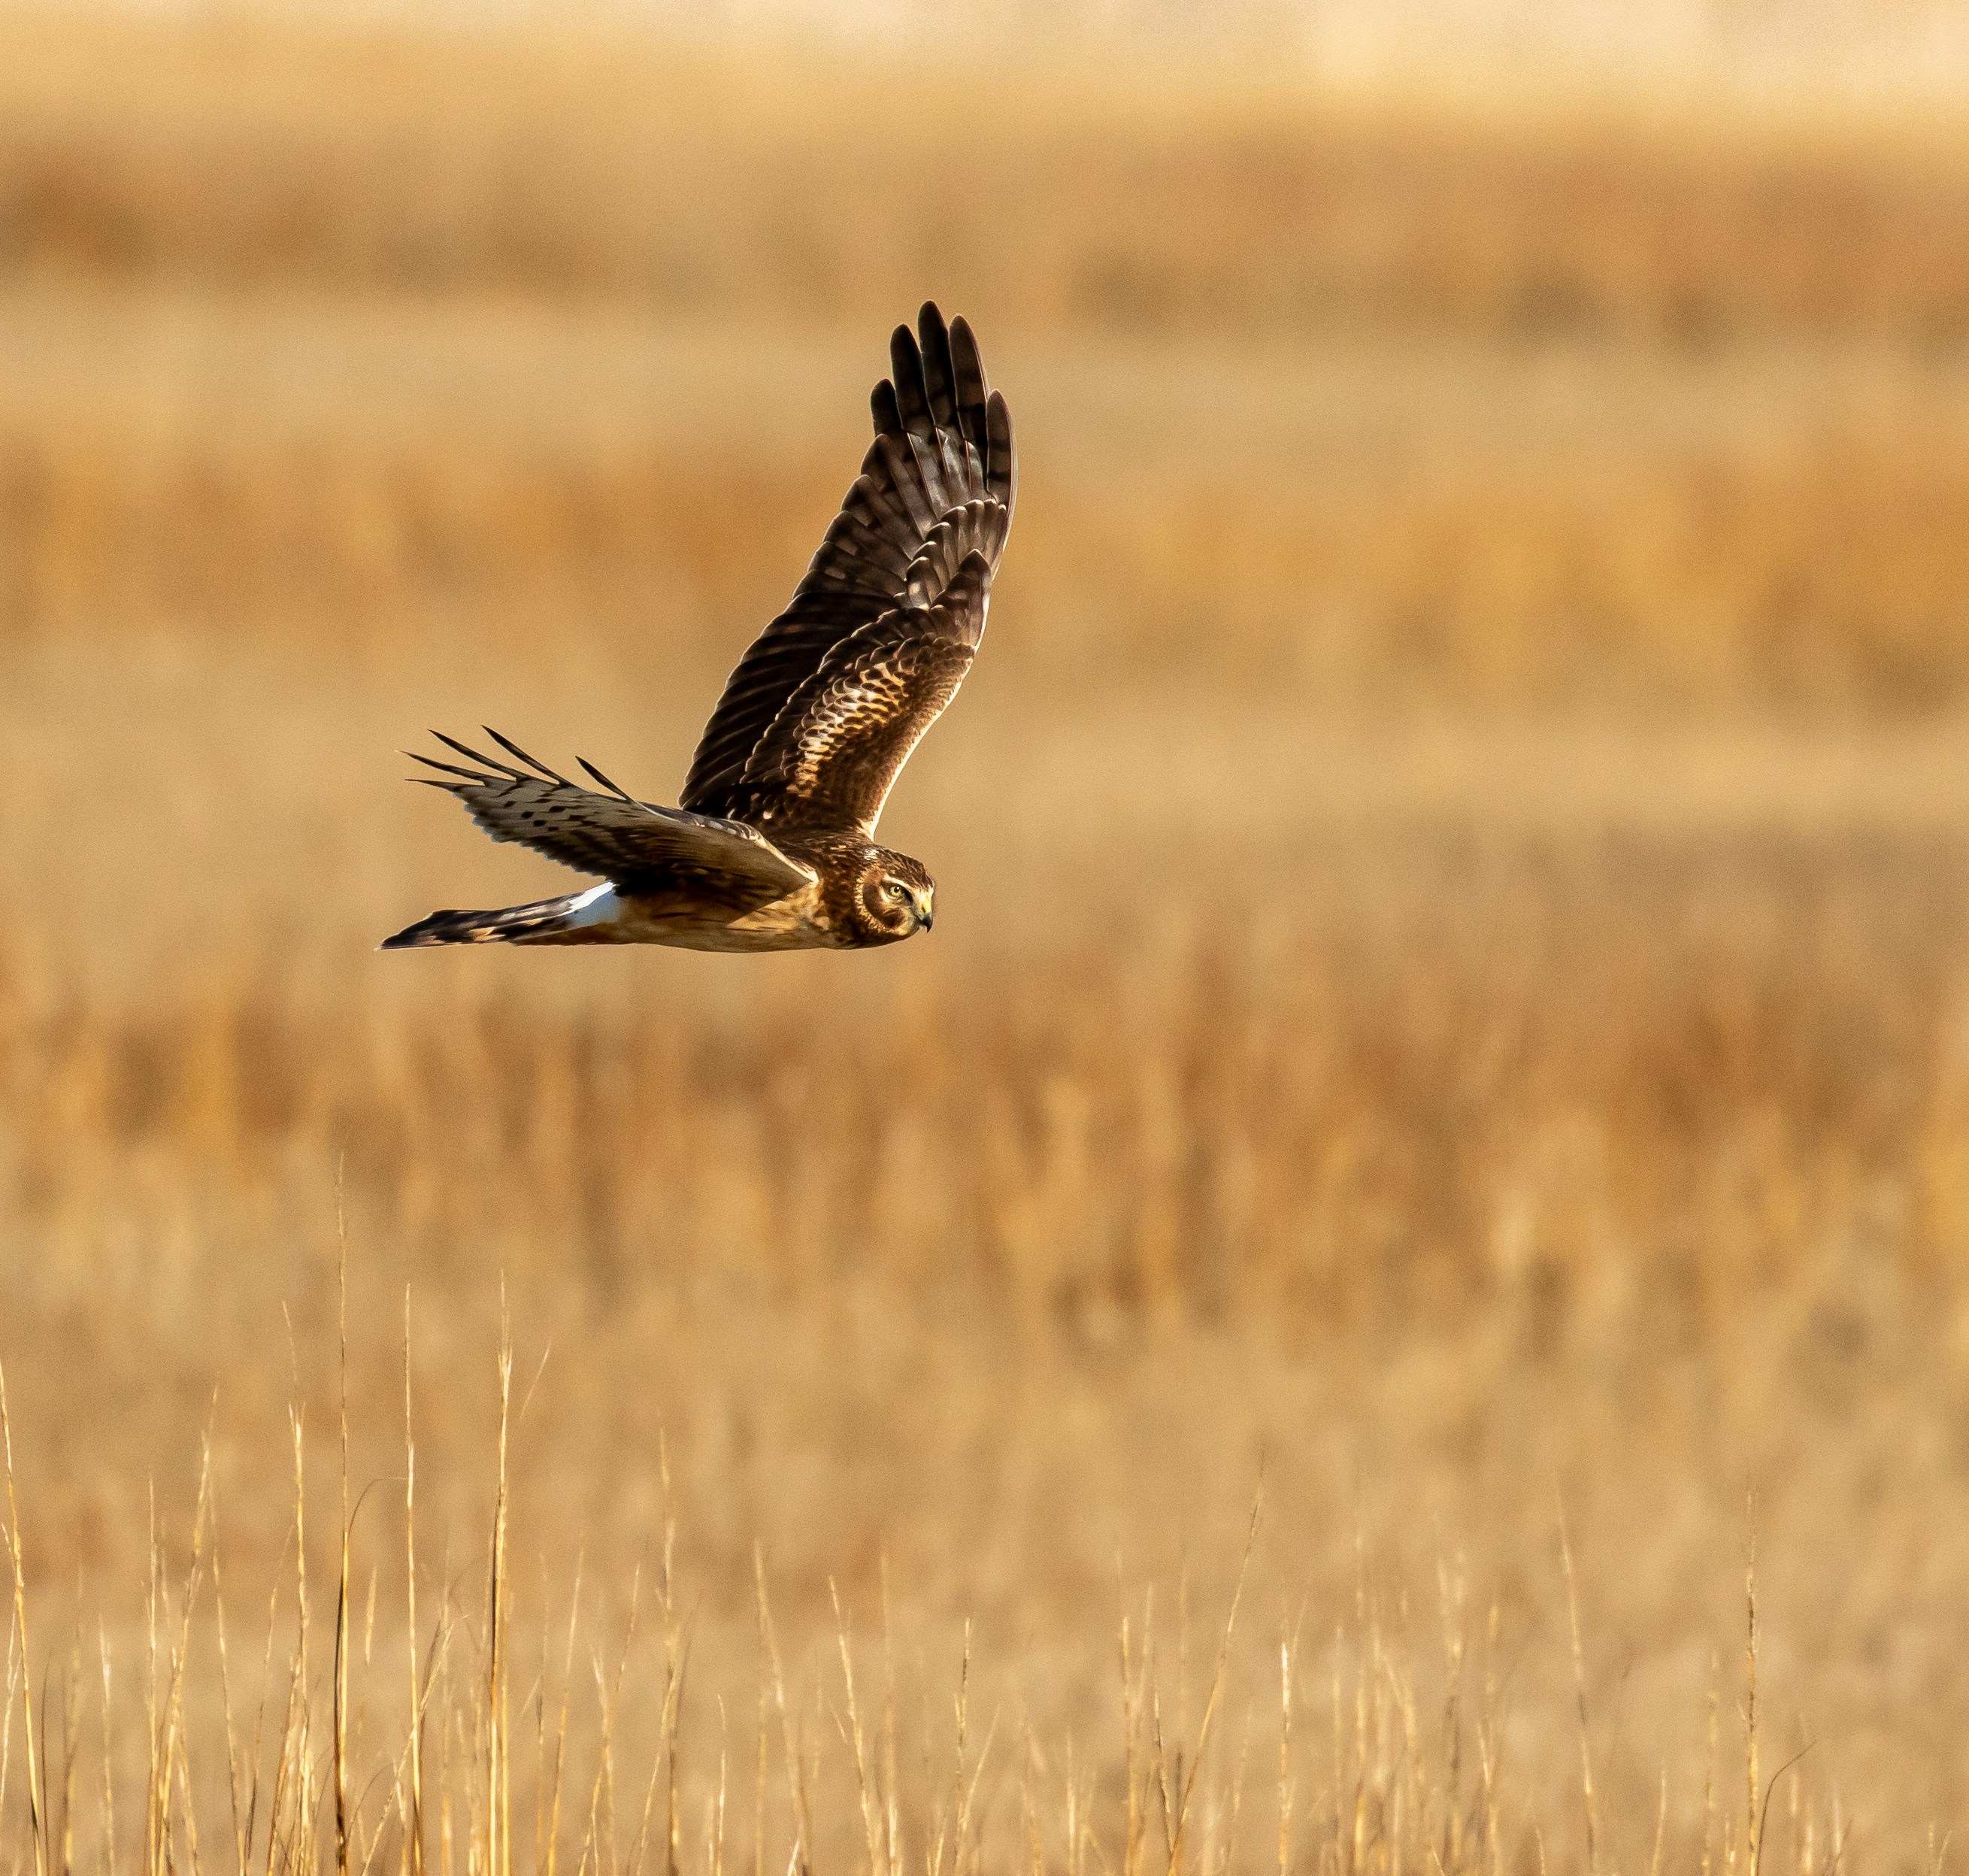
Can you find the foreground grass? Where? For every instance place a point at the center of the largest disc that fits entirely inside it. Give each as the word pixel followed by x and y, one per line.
pixel 615 1723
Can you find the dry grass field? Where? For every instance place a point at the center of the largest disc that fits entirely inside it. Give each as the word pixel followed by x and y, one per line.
pixel 1450 1022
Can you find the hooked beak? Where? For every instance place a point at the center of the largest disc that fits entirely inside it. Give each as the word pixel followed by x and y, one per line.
pixel 926 917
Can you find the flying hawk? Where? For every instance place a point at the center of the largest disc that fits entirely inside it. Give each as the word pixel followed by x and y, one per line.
pixel 773 847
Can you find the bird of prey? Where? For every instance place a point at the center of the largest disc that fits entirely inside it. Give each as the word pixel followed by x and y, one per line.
pixel 773 846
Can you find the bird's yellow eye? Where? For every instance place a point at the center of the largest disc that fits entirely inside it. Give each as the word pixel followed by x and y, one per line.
pixel 895 889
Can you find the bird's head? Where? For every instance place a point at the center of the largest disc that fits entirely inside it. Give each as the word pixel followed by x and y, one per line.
pixel 895 899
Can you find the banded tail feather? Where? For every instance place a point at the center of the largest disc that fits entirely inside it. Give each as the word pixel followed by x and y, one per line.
pixel 575 918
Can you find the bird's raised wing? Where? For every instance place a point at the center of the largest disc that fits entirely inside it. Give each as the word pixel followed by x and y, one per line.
pixel 937 486
pixel 835 749
pixel 612 835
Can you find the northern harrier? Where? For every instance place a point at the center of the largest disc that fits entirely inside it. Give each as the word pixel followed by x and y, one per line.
pixel 773 848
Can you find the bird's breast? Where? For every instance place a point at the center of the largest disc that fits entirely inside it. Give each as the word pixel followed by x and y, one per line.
pixel 799 922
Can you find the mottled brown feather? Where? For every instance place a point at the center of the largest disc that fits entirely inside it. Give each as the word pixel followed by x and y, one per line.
pixel 938 484
pixel 834 752
pixel 639 846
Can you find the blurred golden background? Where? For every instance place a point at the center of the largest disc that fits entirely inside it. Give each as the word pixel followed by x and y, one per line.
pixel 1450 996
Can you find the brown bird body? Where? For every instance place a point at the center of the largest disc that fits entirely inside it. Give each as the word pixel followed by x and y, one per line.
pixel 773 848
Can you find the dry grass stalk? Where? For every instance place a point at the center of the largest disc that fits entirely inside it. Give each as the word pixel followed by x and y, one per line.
pixel 290 1809
pixel 498 1785
pixel 1489 1752
pixel 1753 1832
pixel 1211 1703
pixel 870 1795
pixel 798 1862
pixel 63 1834
pixel 601 1794
pixel 31 1765
pixel 167 1752
pixel 108 1823
pixel 759 1759
pixel 715 1865
pixel 442 1667
pixel 414 1823
pixel 1711 1764
pixel 1288 1784
pixel 235 1798
pixel 967 1824
pixel 1579 1689
pixel 1450 1600
pixel 7 1711
pixel 892 1825
pixel 676 1655
pixel 950 1832
pixel 341 1665
pixel 553 1782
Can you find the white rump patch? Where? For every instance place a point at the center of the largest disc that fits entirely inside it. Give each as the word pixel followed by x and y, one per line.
pixel 598 906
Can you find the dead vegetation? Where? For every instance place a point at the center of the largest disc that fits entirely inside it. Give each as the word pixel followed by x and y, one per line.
pixel 1450 1001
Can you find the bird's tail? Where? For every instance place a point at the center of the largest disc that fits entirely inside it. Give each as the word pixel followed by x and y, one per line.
pixel 567 921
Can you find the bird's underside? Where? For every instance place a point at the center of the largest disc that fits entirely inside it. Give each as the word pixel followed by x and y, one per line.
pixel 773 846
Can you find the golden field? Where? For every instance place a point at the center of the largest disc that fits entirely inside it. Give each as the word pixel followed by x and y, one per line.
pixel 1450 1018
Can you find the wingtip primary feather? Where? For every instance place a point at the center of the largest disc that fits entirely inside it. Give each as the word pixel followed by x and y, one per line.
pixel 1001 469
pixel 476 776
pixel 614 788
pixel 973 387
pixel 490 766
pixel 513 749
pixel 906 371
pixel 940 369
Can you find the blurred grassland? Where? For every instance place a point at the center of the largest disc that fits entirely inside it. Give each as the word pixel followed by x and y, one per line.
pixel 1450 991
pixel 1348 395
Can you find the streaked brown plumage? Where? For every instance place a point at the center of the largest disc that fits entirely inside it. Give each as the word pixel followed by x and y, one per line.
pixel 773 847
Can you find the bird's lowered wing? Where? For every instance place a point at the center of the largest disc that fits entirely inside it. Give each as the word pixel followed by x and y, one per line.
pixel 612 834
pixel 937 485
